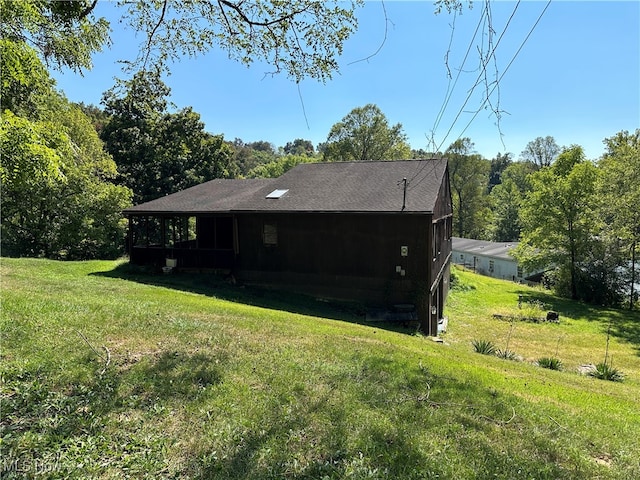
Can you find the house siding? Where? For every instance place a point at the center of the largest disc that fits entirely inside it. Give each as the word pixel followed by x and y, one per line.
pixel 337 255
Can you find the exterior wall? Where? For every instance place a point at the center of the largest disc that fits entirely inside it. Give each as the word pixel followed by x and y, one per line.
pixel 342 255
pixel 486 265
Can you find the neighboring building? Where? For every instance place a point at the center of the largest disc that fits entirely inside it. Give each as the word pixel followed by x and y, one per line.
pixel 490 258
pixel 345 230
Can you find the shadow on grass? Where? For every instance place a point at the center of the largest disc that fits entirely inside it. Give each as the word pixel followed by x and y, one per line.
pixel 625 324
pixel 70 417
pixel 216 286
pixel 382 433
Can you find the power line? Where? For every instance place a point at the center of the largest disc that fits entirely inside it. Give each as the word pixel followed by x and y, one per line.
pixel 507 68
pixel 450 89
pixel 480 75
pixel 488 96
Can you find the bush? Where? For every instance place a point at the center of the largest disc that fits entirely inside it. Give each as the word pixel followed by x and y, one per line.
pixel 485 347
pixel 551 363
pixel 605 371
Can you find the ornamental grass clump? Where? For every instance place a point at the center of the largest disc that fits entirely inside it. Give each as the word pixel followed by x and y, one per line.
pixel 485 347
pixel 604 371
pixel 506 354
pixel 552 363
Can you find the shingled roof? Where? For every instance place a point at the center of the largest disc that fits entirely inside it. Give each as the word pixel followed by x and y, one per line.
pixel 483 247
pixel 220 195
pixel 316 187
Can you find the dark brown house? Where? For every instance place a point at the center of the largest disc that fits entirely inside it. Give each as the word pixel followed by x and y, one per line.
pixel 377 232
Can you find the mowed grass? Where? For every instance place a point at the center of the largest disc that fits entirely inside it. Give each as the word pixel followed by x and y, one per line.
pixel 108 372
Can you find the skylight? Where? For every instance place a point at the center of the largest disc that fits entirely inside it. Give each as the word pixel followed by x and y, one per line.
pixel 278 193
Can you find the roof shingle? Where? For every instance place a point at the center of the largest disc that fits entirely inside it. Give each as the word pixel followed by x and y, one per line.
pixel 317 187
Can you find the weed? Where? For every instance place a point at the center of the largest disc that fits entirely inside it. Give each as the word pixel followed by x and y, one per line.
pixel 552 363
pixel 485 347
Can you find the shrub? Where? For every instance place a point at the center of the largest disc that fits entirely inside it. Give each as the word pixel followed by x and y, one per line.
pixel 551 363
pixel 485 347
pixel 605 371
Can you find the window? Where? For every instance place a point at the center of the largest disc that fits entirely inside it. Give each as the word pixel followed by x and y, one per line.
pixel 278 193
pixel 270 234
pixel 520 271
pixel 491 265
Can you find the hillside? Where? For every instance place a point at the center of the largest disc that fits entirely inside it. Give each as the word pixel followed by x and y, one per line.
pixel 109 372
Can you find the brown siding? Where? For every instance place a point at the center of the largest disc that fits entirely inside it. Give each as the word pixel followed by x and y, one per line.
pixel 338 255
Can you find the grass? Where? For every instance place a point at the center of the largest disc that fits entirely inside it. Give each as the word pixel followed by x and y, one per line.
pixel 108 372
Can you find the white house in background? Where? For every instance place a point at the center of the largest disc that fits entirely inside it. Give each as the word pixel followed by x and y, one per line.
pixel 490 258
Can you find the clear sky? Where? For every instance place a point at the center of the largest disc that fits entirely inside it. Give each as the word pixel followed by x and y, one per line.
pixel 576 78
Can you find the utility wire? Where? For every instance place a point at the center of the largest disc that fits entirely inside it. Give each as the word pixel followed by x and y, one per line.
pixel 507 68
pixel 450 89
pixel 478 80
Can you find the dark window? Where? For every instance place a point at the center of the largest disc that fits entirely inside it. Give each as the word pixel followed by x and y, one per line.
pixel 270 234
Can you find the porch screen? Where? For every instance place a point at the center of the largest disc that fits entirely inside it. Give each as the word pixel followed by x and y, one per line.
pixel 215 233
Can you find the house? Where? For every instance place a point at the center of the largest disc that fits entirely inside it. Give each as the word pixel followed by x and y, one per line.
pixel 493 259
pixel 376 232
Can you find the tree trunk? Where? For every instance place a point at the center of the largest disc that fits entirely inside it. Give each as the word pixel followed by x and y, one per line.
pixel 633 274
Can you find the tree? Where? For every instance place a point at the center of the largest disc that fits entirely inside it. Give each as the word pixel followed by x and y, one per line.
pixel 619 193
pixel 280 166
pixel 57 200
pixel 249 156
pixel 365 134
pixel 468 174
pixel 498 165
pixel 506 199
pixel 158 152
pixel 64 33
pixel 299 147
pixel 559 224
pixel 302 38
pixel 57 196
pixel 541 151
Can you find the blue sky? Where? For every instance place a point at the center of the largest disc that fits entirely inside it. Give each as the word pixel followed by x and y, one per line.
pixel 576 78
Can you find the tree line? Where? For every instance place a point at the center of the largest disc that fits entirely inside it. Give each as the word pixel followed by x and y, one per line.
pixel 576 218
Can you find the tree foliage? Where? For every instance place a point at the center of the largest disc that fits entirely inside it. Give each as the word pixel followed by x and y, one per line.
pixel 506 200
pixel 65 34
pixel 365 134
pixel 559 221
pixel 158 152
pixel 280 166
pixel 57 200
pixel 468 175
pixel 498 165
pixel 302 38
pixel 619 192
pixel 57 196
pixel 541 151
pixel 299 147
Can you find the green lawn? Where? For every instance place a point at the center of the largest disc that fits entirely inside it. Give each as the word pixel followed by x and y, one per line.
pixel 109 372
